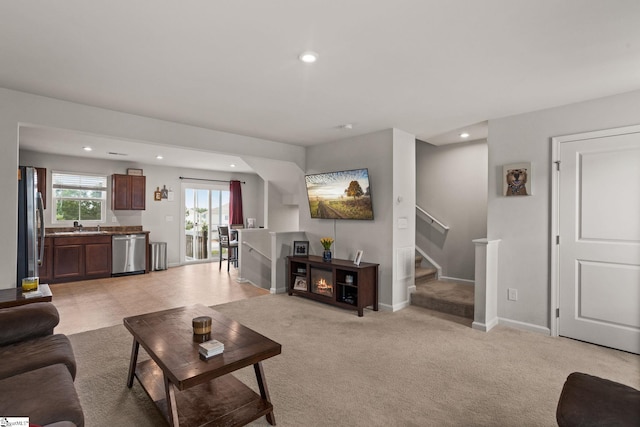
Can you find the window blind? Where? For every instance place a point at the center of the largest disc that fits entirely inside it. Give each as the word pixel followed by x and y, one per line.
pixel 74 181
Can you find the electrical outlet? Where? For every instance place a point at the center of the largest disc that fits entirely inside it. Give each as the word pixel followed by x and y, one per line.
pixel 114 219
pixel 512 294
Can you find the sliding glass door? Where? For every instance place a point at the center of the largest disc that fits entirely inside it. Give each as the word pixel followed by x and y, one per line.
pixel 206 207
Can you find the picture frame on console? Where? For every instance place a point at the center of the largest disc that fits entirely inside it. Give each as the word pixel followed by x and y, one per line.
pixel 358 257
pixel 300 284
pixel 301 248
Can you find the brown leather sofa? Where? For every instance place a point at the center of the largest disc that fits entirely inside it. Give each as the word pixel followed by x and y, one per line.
pixel 587 400
pixel 37 368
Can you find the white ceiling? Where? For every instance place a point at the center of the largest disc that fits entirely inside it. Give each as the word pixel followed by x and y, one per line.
pixel 70 143
pixel 428 67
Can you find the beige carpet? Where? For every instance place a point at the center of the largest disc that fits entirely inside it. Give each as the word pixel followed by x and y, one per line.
pixel 414 367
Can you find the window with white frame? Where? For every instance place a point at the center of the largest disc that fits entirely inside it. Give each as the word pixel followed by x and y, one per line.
pixel 78 197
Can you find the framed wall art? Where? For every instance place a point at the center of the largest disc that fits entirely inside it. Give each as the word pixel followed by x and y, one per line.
pixel 517 179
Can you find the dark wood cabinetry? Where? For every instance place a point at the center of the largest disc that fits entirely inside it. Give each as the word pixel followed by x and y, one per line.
pixel 82 257
pixel 45 270
pixel 128 192
pixel 97 259
pixel 338 282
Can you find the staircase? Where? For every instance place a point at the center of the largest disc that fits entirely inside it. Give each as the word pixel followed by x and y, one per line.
pixel 445 297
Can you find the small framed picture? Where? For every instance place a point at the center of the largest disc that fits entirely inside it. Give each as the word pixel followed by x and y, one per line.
pixel 517 179
pixel 301 248
pixel 357 258
pixel 136 172
pixel 300 284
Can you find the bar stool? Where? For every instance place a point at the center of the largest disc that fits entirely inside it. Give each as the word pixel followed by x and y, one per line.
pixel 230 245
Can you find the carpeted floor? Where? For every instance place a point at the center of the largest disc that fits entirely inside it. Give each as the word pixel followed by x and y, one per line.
pixel 414 367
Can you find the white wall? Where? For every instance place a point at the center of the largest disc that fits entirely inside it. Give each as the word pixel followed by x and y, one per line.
pixel 375 152
pixel 523 223
pixel 452 186
pixel 161 218
pixel 21 108
pixel 404 218
pixel 282 215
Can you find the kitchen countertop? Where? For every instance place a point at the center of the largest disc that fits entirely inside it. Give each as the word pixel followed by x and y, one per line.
pixel 93 231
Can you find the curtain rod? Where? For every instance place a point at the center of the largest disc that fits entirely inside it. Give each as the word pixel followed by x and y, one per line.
pixel 214 180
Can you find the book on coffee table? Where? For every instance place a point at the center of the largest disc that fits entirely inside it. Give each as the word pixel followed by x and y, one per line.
pixel 211 348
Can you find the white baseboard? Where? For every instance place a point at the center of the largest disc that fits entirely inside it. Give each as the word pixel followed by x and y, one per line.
pixel 485 327
pixel 278 290
pixel 524 326
pixel 385 307
pixel 394 307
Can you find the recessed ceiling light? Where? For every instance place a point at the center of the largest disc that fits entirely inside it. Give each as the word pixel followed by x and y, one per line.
pixel 308 57
pixel 464 135
pixel 232 165
pixel 87 148
pixel 159 157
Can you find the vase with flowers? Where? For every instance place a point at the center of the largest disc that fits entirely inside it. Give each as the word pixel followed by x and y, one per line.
pixel 326 244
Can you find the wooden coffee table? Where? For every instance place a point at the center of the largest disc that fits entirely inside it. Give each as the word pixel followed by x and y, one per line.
pixel 189 390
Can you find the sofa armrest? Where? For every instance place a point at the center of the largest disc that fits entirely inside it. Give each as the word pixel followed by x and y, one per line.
pixel 27 321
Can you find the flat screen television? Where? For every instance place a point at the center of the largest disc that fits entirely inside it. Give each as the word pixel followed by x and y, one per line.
pixel 340 195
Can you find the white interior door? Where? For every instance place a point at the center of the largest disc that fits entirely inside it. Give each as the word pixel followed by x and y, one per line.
pixel 599 250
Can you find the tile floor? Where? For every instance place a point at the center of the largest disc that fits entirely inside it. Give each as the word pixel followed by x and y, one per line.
pixel 93 304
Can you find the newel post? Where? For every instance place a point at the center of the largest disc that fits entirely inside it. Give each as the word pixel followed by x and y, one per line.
pixel 486 285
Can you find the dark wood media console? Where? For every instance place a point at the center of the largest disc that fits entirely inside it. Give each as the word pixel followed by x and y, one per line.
pixel 339 282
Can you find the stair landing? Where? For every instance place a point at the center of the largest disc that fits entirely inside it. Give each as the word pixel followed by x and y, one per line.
pixel 446 297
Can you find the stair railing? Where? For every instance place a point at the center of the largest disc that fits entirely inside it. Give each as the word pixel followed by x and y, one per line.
pixel 252 249
pixel 433 221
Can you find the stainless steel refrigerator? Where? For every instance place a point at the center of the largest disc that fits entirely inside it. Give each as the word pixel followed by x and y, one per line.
pixel 30 224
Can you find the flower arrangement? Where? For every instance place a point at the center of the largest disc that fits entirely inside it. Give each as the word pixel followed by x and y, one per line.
pixel 326 243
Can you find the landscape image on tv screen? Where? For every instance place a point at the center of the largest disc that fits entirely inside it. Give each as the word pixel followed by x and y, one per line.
pixel 340 195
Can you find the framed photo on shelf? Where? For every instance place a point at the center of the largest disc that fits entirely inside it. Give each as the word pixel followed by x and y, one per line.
pixel 301 248
pixel 300 284
pixel 358 257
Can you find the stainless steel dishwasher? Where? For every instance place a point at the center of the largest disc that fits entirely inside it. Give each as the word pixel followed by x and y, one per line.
pixel 128 254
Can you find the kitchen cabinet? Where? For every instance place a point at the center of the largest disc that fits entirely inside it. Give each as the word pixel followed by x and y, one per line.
pixel 81 257
pixel 128 192
pixel 45 270
pixel 97 261
pixel 68 261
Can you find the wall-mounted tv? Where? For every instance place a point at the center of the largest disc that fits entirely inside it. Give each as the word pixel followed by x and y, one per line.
pixel 340 195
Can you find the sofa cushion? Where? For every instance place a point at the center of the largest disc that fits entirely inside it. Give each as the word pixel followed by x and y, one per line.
pixel 587 400
pixel 37 353
pixel 27 321
pixel 46 395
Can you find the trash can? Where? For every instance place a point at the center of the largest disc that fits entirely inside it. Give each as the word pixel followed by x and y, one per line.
pixel 158 251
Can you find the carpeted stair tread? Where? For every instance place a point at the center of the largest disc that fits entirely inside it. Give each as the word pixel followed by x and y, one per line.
pixel 424 275
pixel 446 297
